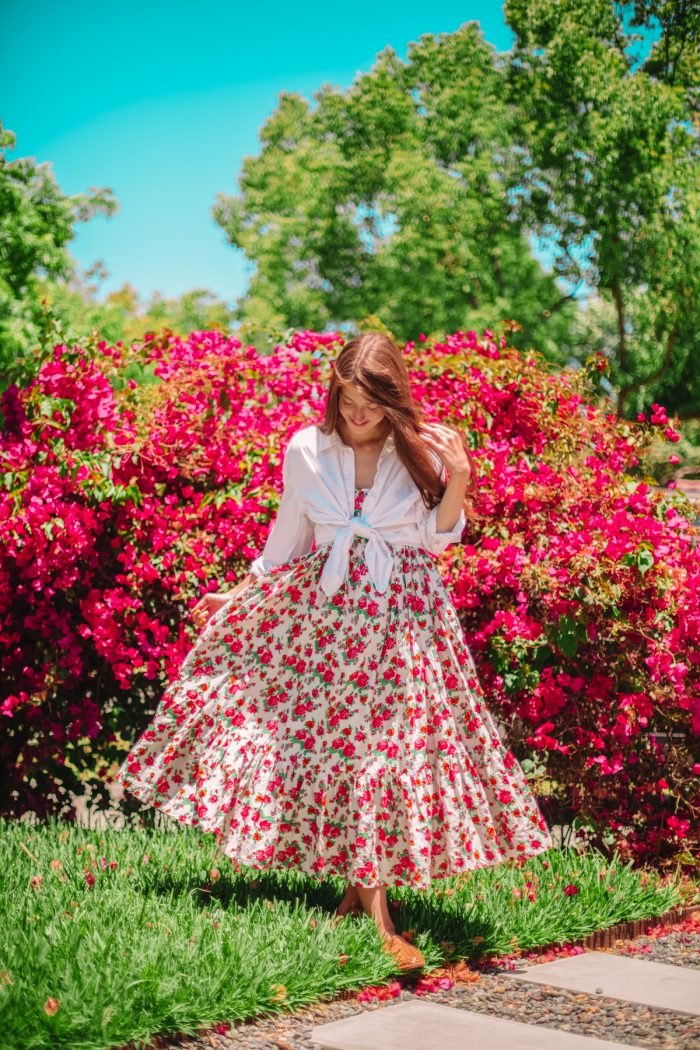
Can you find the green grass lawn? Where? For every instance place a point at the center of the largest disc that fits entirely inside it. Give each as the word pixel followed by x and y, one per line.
pixel 113 936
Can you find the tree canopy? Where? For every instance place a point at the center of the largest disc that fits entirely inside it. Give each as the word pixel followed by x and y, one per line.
pixel 609 151
pixel 394 198
pixel 36 226
pixel 414 198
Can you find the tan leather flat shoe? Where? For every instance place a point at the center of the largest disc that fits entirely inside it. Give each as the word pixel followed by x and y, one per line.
pixel 407 956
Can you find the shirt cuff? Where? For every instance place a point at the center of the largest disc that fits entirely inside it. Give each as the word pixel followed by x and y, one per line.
pixel 439 541
pixel 257 567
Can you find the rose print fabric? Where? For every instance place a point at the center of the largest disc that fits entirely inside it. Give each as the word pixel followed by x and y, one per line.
pixel 344 735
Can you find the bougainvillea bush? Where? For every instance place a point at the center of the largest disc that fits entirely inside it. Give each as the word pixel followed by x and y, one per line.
pixel 136 478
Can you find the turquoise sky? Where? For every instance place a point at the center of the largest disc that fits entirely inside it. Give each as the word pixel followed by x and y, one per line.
pixel 161 102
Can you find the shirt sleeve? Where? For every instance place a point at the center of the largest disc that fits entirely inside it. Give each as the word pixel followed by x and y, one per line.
pixel 436 542
pixel 292 533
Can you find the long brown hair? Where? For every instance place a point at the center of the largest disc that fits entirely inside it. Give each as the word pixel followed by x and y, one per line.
pixel 375 364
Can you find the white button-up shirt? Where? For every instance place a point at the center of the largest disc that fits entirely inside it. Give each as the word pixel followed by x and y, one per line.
pixel 318 503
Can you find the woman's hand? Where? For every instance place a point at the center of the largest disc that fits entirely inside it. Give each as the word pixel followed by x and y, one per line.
pixel 448 445
pixel 210 604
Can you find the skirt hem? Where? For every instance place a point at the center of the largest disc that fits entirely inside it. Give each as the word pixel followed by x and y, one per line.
pixel 347 872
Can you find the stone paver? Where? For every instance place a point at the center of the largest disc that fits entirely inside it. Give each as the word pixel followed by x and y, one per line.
pixel 422 1026
pixel 634 980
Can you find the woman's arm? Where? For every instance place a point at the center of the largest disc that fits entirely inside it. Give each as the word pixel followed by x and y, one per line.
pixel 435 539
pixel 450 509
pixel 292 533
pixel 444 523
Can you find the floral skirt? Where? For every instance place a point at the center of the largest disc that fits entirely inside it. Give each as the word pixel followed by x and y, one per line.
pixel 343 735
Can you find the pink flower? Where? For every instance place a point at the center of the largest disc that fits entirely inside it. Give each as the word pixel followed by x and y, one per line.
pixel 110 532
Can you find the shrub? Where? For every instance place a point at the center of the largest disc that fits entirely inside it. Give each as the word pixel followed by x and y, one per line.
pixel 138 477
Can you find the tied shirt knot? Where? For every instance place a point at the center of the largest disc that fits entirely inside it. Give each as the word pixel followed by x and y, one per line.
pixel 378 556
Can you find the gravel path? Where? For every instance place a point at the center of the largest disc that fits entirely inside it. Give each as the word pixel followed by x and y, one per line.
pixel 488 992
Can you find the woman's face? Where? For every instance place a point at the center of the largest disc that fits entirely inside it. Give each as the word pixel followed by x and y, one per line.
pixel 361 415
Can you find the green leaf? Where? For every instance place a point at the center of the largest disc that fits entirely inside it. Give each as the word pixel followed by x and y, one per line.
pixel 645 561
pixel 568 634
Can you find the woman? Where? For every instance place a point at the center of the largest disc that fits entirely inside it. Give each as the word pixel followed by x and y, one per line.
pixel 330 717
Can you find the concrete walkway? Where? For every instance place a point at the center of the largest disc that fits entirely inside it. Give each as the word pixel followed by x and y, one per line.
pixel 420 1026
pixel 634 980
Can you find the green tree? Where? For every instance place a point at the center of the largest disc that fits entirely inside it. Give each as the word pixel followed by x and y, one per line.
pixel 36 224
pixel 608 146
pixel 394 198
pixel 124 315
